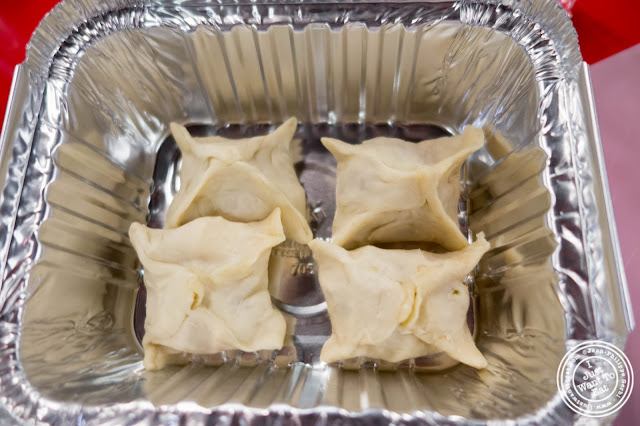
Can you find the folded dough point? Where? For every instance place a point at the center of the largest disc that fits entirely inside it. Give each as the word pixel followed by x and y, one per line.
pixel 238 192
pixel 207 286
pixel 267 179
pixel 389 190
pixel 192 165
pixel 397 304
pixel 442 301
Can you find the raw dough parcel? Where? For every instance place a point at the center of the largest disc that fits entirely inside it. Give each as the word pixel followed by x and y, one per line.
pixel 389 190
pixel 397 304
pixel 241 180
pixel 206 287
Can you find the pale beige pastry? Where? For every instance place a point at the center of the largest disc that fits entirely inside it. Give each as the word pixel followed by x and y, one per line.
pixel 397 304
pixel 390 190
pixel 206 287
pixel 242 180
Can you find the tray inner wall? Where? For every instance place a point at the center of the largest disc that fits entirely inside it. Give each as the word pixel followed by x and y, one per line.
pixel 78 344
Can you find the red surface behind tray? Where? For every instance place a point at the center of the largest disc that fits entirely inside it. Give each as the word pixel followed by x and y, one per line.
pixel 17 21
pixel 606 27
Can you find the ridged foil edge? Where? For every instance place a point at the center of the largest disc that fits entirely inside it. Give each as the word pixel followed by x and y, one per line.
pixel 24 402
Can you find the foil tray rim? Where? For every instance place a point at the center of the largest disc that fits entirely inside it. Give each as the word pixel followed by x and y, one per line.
pixel 24 113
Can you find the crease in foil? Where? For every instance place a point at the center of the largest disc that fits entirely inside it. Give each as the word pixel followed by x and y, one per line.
pixel 83 150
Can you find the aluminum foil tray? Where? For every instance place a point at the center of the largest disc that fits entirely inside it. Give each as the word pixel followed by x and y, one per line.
pixel 86 151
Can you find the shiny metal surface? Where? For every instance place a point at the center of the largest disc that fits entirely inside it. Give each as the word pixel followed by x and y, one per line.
pixel 84 154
